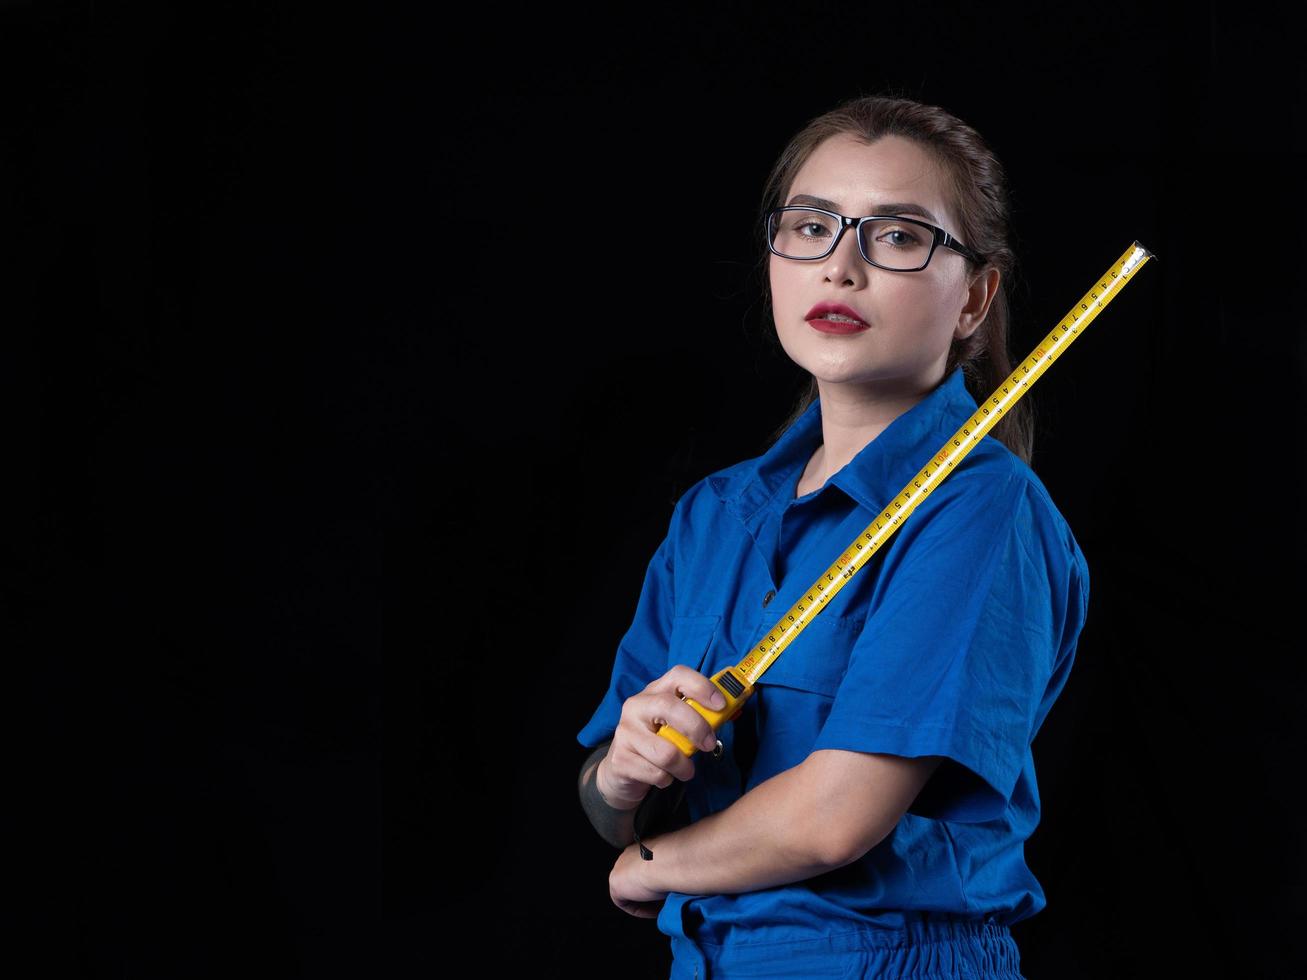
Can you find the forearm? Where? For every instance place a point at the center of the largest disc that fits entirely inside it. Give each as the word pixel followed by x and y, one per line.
pixel 615 826
pixel 764 838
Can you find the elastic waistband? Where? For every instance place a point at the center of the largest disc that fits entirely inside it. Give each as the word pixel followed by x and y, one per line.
pixel 920 947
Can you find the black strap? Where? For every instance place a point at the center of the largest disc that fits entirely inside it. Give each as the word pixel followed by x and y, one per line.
pixel 655 813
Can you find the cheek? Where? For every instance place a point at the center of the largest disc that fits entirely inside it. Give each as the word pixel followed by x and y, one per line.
pixel 788 295
pixel 915 303
pixel 782 276
pixel 774 281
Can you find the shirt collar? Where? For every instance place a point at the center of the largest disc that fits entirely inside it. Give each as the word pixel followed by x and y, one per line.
pixel 881 468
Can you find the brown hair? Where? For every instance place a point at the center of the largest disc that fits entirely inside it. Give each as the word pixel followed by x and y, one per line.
pixel 975 190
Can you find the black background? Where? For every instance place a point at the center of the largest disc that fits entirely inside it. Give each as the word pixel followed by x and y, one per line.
pixel 335 480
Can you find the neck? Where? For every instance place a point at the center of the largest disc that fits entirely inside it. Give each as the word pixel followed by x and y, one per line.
pixel 853 416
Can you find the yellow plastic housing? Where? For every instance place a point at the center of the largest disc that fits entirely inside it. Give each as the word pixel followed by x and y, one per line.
pixel 734 704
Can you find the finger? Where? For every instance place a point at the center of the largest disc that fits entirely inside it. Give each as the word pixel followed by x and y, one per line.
pixel 685 682
pixel 648 759
pixel 686 720
pixel 650 711
pixel 666 760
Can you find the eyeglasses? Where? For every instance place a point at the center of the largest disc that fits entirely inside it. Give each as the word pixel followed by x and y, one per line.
pixel 887 242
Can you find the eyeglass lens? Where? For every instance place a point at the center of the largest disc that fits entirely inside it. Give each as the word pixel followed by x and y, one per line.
pixel 889 242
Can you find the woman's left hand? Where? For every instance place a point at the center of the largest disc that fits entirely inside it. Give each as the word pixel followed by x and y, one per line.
pixel 626 889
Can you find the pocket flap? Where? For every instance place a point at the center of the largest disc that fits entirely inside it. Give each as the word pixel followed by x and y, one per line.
pixel 692 638
pixel 817 659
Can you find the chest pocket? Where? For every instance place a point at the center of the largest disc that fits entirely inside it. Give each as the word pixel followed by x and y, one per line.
pixel 692 638
pixel 818 659
pixel 796 693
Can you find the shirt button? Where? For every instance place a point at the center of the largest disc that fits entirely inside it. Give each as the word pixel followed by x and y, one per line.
pixel 766 600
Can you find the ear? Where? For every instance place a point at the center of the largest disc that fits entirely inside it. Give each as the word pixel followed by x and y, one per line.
pixel 980 293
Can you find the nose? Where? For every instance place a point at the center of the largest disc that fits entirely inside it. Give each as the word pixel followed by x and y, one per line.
pixel 845 262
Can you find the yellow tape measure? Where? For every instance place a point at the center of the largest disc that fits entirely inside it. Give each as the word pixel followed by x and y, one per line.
pixel 736 683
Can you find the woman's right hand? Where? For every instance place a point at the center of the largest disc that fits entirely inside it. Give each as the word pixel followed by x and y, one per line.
pixel 639 757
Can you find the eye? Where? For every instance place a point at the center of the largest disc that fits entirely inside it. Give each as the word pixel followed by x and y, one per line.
pixel 810 224
pixel 909 238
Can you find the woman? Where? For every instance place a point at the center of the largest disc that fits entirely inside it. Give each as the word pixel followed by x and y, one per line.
pixel 866 814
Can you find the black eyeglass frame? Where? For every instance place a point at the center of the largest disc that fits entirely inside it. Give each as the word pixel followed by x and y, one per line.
pixel 938 236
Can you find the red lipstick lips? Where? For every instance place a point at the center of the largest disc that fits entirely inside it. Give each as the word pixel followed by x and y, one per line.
pixel 818 318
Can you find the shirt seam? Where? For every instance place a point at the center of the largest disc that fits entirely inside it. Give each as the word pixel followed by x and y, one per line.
pixel 1025 544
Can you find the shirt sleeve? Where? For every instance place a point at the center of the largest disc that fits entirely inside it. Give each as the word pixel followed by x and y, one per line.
pixel 957 650
pixel 642 652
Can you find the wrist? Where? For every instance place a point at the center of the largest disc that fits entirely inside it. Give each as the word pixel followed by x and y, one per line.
pixel 613 802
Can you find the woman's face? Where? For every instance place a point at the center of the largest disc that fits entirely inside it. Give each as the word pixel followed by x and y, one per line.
pixel 912 317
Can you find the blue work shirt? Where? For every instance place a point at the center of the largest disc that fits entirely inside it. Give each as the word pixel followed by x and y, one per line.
pixel 954 640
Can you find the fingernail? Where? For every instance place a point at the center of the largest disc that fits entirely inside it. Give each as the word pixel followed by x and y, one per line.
pixel 717 700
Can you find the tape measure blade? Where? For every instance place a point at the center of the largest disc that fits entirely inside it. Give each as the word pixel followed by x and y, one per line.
pixel 945 460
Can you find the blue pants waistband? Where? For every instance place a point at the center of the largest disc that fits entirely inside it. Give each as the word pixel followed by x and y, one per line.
pixel 925 948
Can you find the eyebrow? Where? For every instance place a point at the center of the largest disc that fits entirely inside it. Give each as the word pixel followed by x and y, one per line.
pixel 892 208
